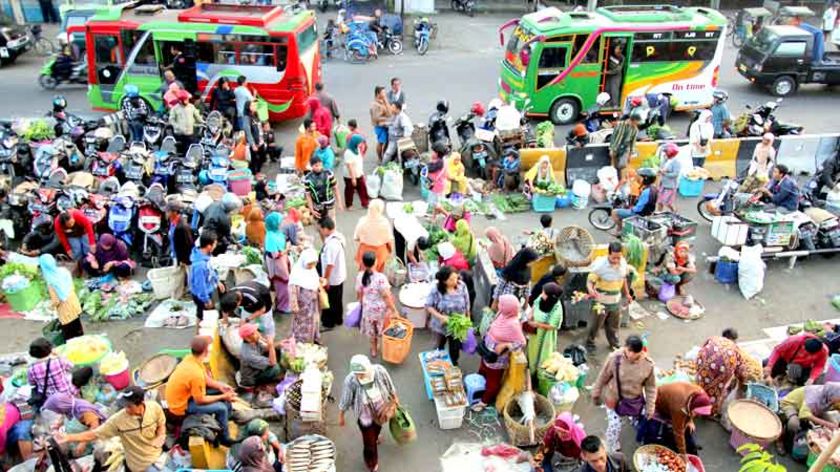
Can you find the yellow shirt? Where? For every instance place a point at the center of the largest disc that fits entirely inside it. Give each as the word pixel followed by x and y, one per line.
pixel 189 380
pixel 796 400
pixel 136 435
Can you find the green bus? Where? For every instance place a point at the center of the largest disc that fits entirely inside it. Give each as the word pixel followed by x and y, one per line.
pixel 556 63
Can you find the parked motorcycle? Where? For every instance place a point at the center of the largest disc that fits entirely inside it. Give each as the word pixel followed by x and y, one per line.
pixel 410 159
pixel 439 124
pixel 49 80
pixel 120 218
pixel 390 41
pixel 153 132
pixel 424 29
pixel 466 6
pixel 757 121
pixel 186 169
pixel 163 168
pixel 150 211
pixel 8 156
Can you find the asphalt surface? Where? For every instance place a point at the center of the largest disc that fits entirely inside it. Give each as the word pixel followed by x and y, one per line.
pixel 462 66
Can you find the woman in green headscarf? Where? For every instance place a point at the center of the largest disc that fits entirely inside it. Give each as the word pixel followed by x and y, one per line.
pixel 259 428
pixel 464 241
pixel 547 318
pixel 353 172
pixel 277 261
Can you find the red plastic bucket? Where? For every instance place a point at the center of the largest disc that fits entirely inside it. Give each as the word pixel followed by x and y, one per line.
pixel 119 380
pixel 240 187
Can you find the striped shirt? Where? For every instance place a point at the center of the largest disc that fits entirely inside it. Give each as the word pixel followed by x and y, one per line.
pixel 608 279
pixel 352 395
pixel 623 138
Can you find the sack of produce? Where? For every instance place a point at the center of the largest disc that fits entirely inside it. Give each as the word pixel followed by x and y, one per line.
pixel 402 426
pixel 392 184
pixel 374 183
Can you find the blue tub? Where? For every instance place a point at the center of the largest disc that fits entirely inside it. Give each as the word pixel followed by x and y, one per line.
pixel 726 272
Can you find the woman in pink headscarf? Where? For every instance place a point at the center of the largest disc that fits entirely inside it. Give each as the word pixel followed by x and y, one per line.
pixel 564 438
pixel 500 250
pixel 320 115
pixel 504 336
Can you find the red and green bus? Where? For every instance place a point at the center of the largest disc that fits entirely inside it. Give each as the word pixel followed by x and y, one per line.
pixel 274 48
pixel 556 63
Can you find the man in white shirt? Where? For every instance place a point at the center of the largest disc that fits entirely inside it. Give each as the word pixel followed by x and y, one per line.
pixel 242 94
pixel 333 270
pixel 401 127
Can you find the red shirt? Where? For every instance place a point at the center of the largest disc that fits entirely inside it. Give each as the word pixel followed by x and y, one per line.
pixel 83 226
pixel 792 350
pixel 458 262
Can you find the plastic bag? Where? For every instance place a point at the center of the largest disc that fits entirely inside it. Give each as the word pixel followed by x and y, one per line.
pixel 751 271
pixel 402 426
pixel 373 183
pixel 354 315
pixel 392 185
pixel 667 292
pixel 471 343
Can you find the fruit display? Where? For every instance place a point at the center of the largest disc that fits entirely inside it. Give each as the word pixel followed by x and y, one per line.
pixel 561 367
pixel 658 459
pixel 697 173
pixel 85 350
pixel 113 363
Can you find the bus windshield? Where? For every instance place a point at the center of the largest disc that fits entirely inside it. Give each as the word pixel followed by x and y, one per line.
pixel 763 41
pixel 517 41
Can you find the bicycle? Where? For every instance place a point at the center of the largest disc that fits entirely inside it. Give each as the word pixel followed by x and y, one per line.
pixel 42 45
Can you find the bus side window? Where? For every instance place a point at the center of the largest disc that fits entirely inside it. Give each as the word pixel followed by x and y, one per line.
pixel 553 59
pixel 107 50
pixel 204 53
pixel 282 52
pixel 225 53
pixel 592 54
pixel 256 54
pixel 146 54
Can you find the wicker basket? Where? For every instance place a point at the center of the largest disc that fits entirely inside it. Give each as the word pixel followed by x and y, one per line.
pixel 574 246
pixel 156 369
pixel 652 450
pixel 396 272
pixel 293 396
pixel 752 422
pixel 519 434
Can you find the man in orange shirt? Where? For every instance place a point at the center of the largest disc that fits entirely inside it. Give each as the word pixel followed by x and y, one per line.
pixel 305 145
pixel 187 389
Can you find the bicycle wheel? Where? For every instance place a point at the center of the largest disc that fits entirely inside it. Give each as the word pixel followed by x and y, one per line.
pixel 44 47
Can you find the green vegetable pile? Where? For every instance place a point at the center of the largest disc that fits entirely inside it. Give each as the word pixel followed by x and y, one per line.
pixel 100 306
pixel 634 250
pixel 252 255
pixel 512 203
pixel 550 188
pixel 545 134
pixel 408 208
pixel 29 271
pixel 436 235
pixel 477 208
pixel 296 202
pixel 810 326
pixel 391 166
pixel 458 326
pixel 38 130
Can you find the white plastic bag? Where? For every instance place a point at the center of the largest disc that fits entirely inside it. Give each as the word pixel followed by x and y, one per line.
pixel 608 178
pixel 374 183
pixel 751 271
pixel 392 185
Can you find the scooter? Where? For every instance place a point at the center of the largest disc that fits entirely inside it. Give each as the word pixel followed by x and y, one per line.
pixel 8 156
pixel 120 218
pixel 756 122
pixel 410 159
pixel 95 208
pixel 216 169
pixel 49 81
pixel 466 6
pixel 135 165
pixel 390 41
pixel 185 170
pixel 423 32
pixel 439 128
pixel 150 212
pixel 46 160
pixel 163 168
pixel 69 155
pixel 153 132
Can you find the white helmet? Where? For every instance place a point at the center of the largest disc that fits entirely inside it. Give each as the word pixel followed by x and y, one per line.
pixel 602 99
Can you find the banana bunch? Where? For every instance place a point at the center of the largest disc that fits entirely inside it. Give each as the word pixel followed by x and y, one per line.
pixel 116 455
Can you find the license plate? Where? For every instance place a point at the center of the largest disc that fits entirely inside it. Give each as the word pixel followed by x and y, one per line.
pixel 4 52
pixel 184 179
pixel 219 172
pixel 742 67
pixel 134 173
pixel 100 171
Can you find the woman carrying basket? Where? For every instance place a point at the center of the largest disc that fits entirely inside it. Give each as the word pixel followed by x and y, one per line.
pixel 374 294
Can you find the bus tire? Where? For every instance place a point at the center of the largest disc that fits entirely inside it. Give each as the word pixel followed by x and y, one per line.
pixel 564 111
pixel 783 86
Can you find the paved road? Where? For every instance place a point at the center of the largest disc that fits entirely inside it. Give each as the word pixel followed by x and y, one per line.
pixel 462 67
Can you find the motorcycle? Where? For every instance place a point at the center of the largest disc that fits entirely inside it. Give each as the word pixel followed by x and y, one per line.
pixel 98 140
pixel 120 218
pixel 358 45
pixel 46 160
pixel 439 128
pixel 8 156
pixel 104 165
pixel 216 169
pixel 150 211
pixel 390 41
pixel 466 6
pixel 828 228
pixel 720 203
pixel 49 81
pixel 185 169
pixel 423 32
pixel 135 164
pixel 69 156
pixel 153 131
pixel 600 217
pixel 756 122
pixel 163 168
pixel 42 206
pixel 95 208
pixel 409 159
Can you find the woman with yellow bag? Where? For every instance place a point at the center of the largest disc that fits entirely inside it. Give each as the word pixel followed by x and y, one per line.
pixel 304 302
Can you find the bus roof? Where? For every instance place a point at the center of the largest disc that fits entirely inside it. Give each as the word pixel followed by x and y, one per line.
pixel 552 21
pixel 213 18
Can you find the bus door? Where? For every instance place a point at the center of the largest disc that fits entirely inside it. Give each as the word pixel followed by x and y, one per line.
pixel 108 62
pixel 614 67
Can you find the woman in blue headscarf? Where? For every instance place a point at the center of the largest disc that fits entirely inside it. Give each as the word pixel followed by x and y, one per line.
pixel 63 296
pixel 353 172
pixel 277 261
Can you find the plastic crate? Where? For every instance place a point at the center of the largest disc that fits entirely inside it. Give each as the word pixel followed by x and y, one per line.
pixel 763 394
pixel 812 457
pixel 563 201
pixel 646 229
pixel 543 203
pixel 449 417
pixel 427 378
pixel 691 188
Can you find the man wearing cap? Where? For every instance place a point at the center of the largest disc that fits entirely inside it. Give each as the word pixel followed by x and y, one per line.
pixel 258 358
pixel 192 390
pixel 141 427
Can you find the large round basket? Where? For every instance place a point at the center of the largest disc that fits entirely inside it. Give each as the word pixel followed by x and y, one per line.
pixel 293 396
pixel 518 433
pixel 156 370
pixel 653 450
pixel 574 246
pixel 752 422
pixel 674 307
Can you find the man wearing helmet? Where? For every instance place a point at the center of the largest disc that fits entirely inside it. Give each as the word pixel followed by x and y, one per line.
pixel 669 172
pixel 135 111
pixel 720 114
pixel 646 203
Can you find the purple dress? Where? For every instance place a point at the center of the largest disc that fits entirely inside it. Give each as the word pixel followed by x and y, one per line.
pixel 307 319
